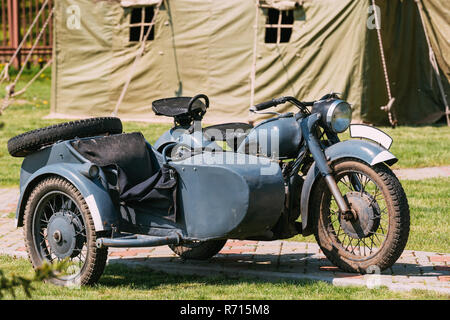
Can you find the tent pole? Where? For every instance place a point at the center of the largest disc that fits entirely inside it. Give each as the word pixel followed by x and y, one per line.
pixel 255 47
pixel 433 61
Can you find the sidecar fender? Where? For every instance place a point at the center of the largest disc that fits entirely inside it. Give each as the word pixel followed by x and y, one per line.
pixel 96 196
pixel 367 151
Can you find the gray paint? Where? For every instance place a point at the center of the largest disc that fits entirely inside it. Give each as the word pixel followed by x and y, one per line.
pixel 289 135
pixel 229 200
pixel 59 160
pixel 216 200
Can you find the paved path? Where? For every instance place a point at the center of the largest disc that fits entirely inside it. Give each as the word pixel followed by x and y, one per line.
pixel 275 260
pixel 423 173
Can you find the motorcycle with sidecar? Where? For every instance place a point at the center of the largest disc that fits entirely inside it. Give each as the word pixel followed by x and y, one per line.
pixel 86 186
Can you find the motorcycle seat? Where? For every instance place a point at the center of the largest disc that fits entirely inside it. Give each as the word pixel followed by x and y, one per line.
pixel 183 109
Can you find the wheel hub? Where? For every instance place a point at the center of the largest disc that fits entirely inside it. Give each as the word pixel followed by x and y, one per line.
pixel 64 234
pixel 367 215
pixel 57 236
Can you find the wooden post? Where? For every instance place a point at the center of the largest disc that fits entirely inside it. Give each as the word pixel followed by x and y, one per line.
pixel 14 28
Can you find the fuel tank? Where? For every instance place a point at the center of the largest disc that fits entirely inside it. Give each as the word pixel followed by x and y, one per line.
pixel 276 138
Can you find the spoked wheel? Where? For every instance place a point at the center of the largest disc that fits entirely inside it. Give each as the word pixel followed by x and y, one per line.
pixel 378 231
pixel 59 227
pixel 198 250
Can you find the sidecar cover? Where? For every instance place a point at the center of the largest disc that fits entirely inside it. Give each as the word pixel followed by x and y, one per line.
pixel 228 195
pixel 139 178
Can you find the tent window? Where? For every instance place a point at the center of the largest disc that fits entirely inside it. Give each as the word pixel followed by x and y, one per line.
pixel 141 19
pixel 279 25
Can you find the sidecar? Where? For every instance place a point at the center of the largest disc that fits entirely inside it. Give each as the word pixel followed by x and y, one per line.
pixel 117 190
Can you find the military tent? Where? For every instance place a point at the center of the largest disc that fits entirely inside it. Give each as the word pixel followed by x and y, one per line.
pixel 242 52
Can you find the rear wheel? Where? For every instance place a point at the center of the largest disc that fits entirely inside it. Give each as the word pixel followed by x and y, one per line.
pixel 199 250
pixel 377 234
pixel 58 226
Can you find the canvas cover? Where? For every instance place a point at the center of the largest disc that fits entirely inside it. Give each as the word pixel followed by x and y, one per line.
pixel 208 47
pixel 140 182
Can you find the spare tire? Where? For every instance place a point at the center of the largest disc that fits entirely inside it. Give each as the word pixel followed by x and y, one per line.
pixel 31 141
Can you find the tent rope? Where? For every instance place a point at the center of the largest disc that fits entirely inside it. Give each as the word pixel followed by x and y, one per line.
pixel 10 89
pixel 433 61
pixel 388 107
pixel 137 59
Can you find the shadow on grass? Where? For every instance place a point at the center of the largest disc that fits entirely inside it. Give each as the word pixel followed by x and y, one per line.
pixel 231 270
pixel 145 278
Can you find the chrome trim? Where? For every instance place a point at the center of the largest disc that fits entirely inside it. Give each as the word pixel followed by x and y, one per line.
pixel 331 111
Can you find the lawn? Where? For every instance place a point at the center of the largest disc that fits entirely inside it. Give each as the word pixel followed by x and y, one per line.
pixel 119 282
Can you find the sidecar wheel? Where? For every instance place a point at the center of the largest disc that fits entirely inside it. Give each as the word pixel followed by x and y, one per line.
pixel 58 226
pixel 375 238
pixel 199 250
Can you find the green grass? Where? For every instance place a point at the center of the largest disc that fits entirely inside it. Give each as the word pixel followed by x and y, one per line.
pixel 418 147
pixel 429 202
pixel 120 282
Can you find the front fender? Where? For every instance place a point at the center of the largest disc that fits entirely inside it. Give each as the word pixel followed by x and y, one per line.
pixel 96 196
pixel 367 151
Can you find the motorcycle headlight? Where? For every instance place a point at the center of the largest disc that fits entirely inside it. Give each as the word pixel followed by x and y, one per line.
pixel 336 114
pixel 339 116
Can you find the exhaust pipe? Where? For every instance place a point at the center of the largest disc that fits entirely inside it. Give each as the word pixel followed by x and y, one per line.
pixel 137 241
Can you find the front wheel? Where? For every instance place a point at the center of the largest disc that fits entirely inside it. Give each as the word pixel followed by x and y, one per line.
pixel 377 234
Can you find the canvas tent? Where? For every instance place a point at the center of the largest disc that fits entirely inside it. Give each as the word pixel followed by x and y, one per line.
pixel 244 52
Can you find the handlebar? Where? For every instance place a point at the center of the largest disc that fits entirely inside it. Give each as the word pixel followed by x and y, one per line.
pixel 274 102
pixel 268 104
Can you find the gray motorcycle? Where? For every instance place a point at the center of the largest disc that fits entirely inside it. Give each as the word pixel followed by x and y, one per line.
pixel 86 186
pixel 343 192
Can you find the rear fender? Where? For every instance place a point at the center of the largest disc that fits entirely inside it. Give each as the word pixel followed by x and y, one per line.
pixel 367 151
pixel 96 196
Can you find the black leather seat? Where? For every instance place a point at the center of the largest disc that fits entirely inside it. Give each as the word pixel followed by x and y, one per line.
pixel 175 107
pixel 183 109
